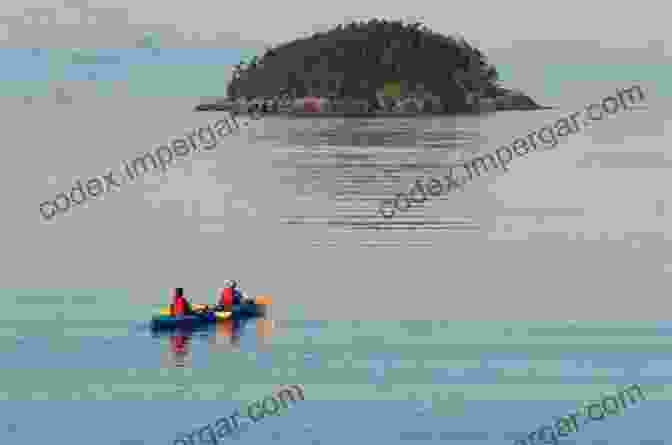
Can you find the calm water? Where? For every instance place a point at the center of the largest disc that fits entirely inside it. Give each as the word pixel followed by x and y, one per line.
pixel 393 381
pixel 580 232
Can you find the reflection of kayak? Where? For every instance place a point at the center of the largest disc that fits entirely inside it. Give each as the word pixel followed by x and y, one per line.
pixel 197 307
pixel 187 321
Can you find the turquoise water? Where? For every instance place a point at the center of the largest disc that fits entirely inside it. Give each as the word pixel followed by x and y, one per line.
pixel 557 77
pixel 384 381
pixel 203 71
pixel 147 71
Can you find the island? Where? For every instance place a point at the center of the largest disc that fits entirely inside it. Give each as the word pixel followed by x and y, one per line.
pixel 374 68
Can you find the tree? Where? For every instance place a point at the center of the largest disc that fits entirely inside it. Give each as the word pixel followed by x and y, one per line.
pixel 355 52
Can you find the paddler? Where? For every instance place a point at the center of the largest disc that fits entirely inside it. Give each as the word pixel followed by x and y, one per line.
pixel 181 305
pixel 231 295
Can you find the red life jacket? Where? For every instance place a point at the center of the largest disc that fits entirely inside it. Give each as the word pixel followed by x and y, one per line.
pixel 179 307
pixel 226 296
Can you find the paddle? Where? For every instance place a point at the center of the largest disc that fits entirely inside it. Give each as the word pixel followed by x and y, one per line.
pixel 263 299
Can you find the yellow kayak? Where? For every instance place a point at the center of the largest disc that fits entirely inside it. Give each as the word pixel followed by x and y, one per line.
pixel 166 309
pixel 220 315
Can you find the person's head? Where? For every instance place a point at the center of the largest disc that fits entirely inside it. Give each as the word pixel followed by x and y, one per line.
pixel 231 284
pixel 179 292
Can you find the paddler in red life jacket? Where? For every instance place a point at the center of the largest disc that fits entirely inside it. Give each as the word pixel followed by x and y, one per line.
pixel 180 306
pixel 230 295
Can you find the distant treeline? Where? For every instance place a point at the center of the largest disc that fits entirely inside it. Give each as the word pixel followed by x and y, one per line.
pixel 357 59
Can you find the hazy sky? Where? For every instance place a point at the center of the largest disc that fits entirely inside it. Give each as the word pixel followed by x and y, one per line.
pixel 107 23
pixel 525 40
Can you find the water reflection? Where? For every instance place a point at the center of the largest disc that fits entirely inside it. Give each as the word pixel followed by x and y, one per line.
pixel 355 163
pixel 223 336
pixel 180 346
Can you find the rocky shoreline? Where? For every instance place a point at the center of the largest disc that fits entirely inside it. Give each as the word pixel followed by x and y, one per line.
pixel 508 100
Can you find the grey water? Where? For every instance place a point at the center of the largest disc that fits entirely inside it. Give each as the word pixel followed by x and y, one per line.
pixel 375 324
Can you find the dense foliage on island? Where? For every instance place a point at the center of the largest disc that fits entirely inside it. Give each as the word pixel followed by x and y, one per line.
pixel 356 60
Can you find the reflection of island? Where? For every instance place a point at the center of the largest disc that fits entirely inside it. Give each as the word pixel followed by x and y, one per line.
pixel 378 67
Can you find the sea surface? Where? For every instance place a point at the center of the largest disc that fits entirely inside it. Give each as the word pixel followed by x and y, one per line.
pixel 482 316
pixel 86 355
